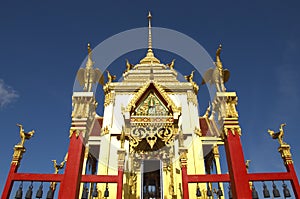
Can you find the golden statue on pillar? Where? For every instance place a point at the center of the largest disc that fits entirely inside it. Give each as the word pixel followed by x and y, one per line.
pixel 278 135
pixel 88 76
pixel 23 135
pixel 60 166
pixel 217 75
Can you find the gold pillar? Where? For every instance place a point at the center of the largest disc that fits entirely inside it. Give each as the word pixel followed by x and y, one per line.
pixel 285 152
pixel 218 166
pixel 19 150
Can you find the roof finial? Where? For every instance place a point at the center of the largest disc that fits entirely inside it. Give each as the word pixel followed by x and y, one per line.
pixel 149 32
pixel 89 62
pixel 150 58
pixel 88 76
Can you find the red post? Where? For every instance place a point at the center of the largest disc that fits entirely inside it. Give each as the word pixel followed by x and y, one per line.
pixel 236 165
pixel 294 181
pixel 120 183
pixel 185 185
pixel 9 181
pixel 70 184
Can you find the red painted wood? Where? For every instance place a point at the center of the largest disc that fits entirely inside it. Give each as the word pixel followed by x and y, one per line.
pixel 208 178
pixel 69 187
pixel 269 176
pixel 295 183
pixel 37 177
pixel 120 184
pixel 236 166
pixel 100 178
pixel 9 182
pixel 185 185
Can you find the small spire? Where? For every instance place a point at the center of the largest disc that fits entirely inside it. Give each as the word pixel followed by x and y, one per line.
pixel 150 58
pixel 89 49
pixel 149 32
pixel 89 62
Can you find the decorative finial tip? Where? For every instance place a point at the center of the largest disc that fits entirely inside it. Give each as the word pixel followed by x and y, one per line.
pixel 149 15
pixel 89 48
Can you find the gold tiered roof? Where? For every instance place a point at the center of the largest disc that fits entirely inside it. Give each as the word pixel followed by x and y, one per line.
pixel 149 69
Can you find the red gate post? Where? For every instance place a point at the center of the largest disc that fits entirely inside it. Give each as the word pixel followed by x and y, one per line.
pixel 183 164
pixel 121 159
pixel 286 155
pixel 236 166
pixel 228 118
pixel 69 187
pixel 19 150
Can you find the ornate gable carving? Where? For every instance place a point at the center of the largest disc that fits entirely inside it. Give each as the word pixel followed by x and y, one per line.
pixel 160 94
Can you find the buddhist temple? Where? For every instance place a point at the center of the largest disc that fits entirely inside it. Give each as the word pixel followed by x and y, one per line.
pixel 151 141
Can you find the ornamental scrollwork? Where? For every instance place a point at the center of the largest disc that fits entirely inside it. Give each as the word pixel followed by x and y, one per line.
pixel 151 134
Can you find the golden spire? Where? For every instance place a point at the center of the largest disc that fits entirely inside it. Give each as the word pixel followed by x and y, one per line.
pixel 149 32
pixel 150 55
pixel 89 62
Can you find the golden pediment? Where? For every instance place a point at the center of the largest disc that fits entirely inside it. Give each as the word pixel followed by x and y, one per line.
pixel 156 89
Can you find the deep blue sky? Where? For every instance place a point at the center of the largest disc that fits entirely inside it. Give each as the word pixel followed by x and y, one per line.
pixel 42 45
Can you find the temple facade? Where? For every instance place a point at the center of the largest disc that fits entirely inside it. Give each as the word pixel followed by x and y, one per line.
pixel 151 142
pixel 153 117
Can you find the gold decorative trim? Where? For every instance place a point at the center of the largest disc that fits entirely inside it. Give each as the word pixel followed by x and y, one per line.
pixel 18 154
pixel 192 97
pixel 109 98
pixel 233 129
pixel 136 96
pixel 76 131
pixel 105 130
pixel 159 88
pixel 183 157
pixel 198 132
pixel 285 152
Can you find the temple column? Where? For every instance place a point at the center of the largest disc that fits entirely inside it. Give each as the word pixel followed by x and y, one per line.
pixel 166 180
pixel 218 166
pixel 70 185
pixel 121 159
pixel 103 164
pixel 19 150
pixel 228 119
pixel 286 155
pixel 83 117
pixel 183 164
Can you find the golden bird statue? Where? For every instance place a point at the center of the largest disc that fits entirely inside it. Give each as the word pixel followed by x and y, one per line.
pixel 217 75
pixel 23 135
pixel 60 166
pixel 279 135
pixel 88 76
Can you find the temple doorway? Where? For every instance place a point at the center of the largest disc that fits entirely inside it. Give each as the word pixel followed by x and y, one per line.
pixel 151 179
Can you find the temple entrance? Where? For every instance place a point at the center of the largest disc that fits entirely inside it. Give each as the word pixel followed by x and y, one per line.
pixel 151 179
